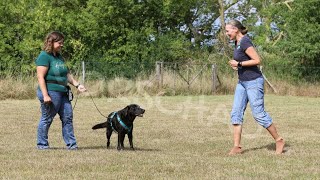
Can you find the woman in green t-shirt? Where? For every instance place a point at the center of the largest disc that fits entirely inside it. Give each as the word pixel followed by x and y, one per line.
pixel 53 78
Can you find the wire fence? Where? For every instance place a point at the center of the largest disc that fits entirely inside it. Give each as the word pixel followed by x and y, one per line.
pixel 109 70
pixel 95 70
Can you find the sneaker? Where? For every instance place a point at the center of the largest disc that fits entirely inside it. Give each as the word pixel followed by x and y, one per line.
pixel 73 148
pixel 235 150
pixel 42 147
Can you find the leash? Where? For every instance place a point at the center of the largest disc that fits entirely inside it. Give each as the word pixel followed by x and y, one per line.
pixel 75 103
pixel 96 105
pixel 129 129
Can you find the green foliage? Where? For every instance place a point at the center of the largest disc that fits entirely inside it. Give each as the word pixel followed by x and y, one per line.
pixel 128 36
pixel 301 26
pixel 289 35
pixel 299 23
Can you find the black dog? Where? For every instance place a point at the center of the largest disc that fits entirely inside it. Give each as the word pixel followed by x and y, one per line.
pixel 121 122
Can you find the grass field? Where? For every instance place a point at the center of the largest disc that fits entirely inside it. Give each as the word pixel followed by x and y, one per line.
pixel 182 137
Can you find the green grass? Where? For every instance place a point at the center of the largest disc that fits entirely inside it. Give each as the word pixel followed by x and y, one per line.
pixel 182 137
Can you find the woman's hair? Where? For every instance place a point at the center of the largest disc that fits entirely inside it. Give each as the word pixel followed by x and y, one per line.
pixel 238 25
pixel 51 38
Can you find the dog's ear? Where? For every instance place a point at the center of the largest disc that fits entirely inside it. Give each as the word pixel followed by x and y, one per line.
pixel 126 110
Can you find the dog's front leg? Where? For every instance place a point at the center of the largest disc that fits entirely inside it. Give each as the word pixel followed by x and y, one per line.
pixel 130 140
pixel 120 141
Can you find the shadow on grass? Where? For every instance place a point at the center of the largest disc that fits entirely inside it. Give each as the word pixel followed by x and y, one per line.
pixel 270 147
pixel 114 148
pixel 104 147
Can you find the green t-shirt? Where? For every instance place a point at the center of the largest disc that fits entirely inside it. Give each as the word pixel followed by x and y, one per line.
pixel 57 71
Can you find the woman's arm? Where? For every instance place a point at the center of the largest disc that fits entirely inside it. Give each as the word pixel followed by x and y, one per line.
pixel 254 61
pixel 41 73
pixel 75 83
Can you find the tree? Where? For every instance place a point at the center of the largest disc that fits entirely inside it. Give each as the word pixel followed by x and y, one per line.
pixel 295 32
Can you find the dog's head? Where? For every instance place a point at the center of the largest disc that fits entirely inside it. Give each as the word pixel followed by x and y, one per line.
pixel 134 110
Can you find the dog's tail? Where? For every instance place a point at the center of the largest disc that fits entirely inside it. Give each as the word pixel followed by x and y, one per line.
pixel 101 125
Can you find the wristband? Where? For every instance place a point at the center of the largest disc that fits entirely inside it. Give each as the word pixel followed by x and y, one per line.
pixel 239 64
pixel 77 85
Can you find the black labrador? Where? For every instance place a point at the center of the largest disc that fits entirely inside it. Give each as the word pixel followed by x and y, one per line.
pixel 121 122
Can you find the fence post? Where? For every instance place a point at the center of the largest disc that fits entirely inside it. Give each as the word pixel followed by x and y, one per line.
pixel 174 79
pixel 83 72
pixel 188 77
pixel 214 78
pixel 159 73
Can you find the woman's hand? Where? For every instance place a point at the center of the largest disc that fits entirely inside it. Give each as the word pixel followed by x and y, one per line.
pixel 234 64
pixel 72 81
pixel 46 99
pixel 81 88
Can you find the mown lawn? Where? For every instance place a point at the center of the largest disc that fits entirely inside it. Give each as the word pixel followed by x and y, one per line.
pixel 182 137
